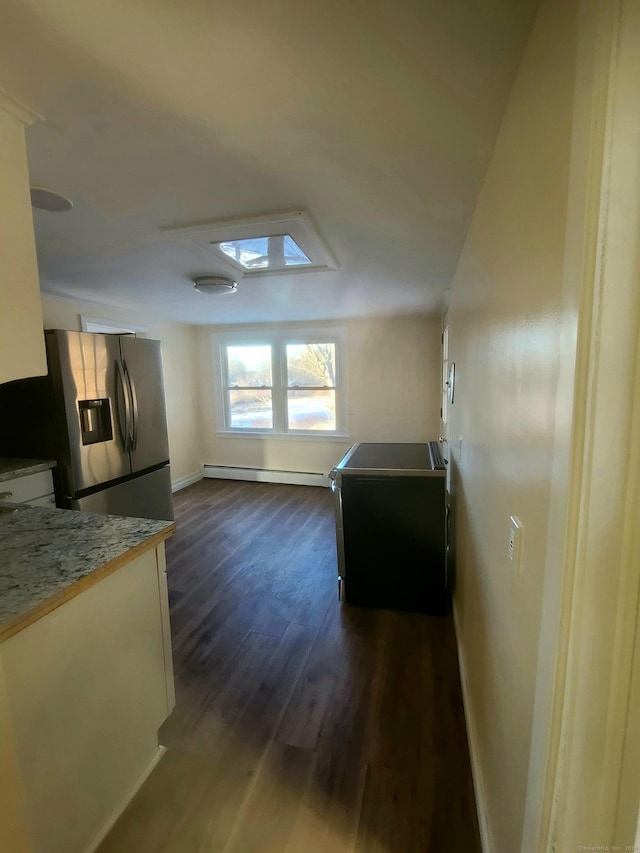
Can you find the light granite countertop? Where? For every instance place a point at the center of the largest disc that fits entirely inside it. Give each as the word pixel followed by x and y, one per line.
pixel 48 556
pixel 12 468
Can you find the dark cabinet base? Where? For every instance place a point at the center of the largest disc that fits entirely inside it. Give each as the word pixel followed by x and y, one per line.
pixel 435 602
pixel 394 539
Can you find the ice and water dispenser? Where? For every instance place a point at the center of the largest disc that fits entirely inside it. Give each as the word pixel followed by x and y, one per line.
pixel 95 420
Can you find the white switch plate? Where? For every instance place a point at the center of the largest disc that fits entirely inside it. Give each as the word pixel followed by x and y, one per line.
pixel 514 547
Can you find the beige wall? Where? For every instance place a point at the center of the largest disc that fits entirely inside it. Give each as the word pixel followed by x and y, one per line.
pixel 21 345
pixel 393 385
pixel 393 395
pixel 505 324
pixel 178 360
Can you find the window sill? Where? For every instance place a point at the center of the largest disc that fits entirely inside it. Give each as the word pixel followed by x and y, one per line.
pixel 286 436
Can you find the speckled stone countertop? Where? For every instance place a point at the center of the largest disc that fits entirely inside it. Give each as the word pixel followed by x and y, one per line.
pixel 48 556
pixel 12 468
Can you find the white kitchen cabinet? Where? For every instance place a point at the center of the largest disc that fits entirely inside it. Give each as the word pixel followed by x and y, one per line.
pixel 22 351
pixel 48 501
pixel 85 689
pixel 33 489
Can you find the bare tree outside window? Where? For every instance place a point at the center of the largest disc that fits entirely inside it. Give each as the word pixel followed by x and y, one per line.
pixel 311 365
pixel 311 372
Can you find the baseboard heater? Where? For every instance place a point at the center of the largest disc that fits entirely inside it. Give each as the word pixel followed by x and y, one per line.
pixel 266 475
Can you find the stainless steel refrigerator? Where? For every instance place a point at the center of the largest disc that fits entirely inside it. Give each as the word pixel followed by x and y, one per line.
pixel 101 414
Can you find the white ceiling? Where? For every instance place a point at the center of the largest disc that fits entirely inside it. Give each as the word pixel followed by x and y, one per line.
pixel 377 117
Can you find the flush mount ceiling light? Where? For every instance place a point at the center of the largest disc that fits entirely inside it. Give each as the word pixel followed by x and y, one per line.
pixel 214 284
pixel 45 199
pixel 262 245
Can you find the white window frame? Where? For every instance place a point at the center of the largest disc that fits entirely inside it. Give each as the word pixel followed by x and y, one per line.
pixel 278 339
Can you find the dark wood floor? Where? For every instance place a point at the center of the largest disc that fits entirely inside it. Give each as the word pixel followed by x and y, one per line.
pixel 301 726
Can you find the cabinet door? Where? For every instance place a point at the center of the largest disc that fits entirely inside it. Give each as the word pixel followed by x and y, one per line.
pixel 22 350
pixel 27 489
pixel 394 542
pixel 86 690
pixel 166 629
pixel 47 501
pixel 14 827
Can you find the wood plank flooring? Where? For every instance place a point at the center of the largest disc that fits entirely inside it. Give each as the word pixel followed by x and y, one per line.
pixel 301 725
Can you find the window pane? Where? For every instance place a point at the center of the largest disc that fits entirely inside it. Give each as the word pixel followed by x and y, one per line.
pixel 249 366
pixel 293 254
pixel 311 364
pixel 275 252
pixel 311 410
pixel 251 409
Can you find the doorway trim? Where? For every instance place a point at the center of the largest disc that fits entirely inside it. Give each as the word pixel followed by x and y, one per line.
pixel 583 780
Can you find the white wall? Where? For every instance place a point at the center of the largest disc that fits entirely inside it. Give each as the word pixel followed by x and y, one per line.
pixel 179 366
pixel 394 395
pixel 505 324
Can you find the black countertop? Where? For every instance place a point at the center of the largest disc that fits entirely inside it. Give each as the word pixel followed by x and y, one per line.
pixel 390 457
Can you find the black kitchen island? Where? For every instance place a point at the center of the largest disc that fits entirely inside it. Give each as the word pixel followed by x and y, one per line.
pixel 391 527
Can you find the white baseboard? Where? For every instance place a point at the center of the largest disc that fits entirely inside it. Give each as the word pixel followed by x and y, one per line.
pixel 183 482
pixel 106 829
pixel 265 475
pixel 476 771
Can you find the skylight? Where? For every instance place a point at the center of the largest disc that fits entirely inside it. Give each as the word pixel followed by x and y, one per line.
pixel 275 253
pixel 273 244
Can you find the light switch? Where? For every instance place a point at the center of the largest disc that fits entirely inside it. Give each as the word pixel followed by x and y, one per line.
pixel 460 450
pixel 514 550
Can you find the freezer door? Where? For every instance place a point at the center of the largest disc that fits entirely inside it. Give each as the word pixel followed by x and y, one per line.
pixel 146 496
pixel 85 376
pixel 142 362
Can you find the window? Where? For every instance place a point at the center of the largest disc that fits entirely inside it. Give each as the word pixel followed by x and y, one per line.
pixel 281 383
pixel 249 387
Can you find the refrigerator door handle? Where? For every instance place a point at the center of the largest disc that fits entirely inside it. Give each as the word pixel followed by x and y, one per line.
pixel 125 431
pixel 134 407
